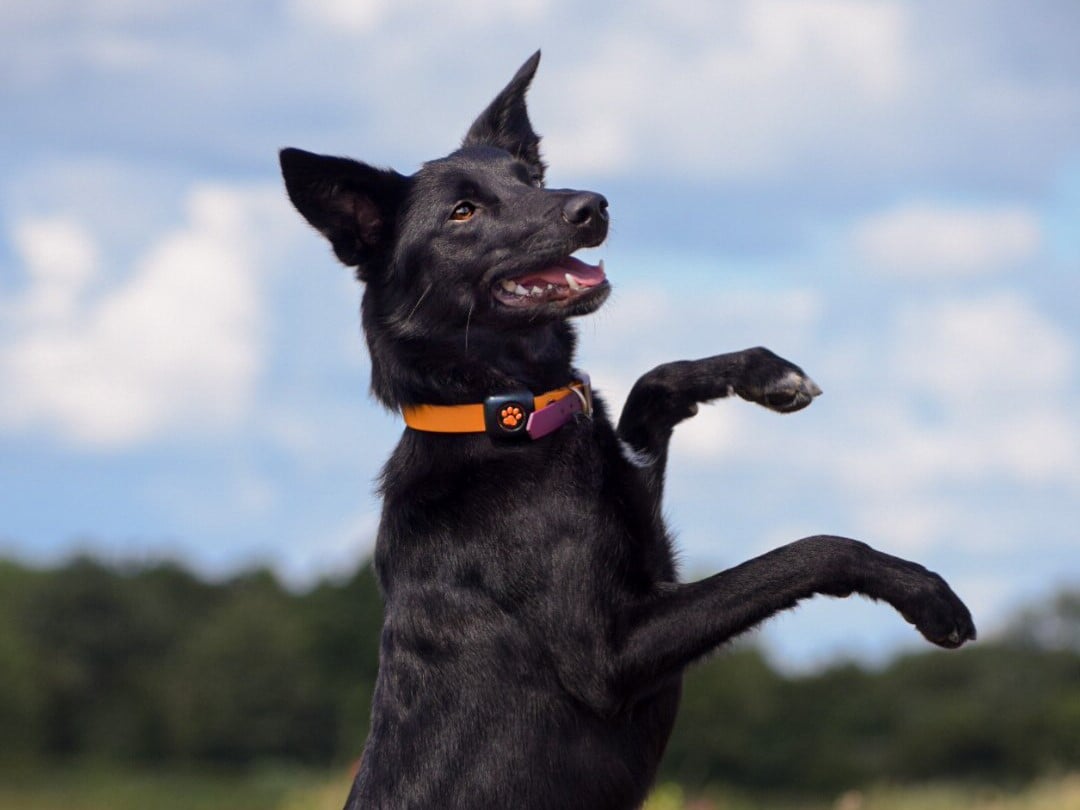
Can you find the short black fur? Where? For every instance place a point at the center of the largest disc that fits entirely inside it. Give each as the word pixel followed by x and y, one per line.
pixel 535 630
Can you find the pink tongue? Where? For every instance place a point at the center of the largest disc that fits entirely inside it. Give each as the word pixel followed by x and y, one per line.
pixel 586 275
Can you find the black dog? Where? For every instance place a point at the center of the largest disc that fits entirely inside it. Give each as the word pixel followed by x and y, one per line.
pixel 535 632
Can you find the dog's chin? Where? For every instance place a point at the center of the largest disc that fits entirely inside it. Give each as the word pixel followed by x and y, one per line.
pixel 566 288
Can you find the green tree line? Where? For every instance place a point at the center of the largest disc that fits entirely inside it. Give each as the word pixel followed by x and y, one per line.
pixel 150 665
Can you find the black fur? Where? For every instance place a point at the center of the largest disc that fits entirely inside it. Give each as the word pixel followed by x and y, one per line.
pixel 535 631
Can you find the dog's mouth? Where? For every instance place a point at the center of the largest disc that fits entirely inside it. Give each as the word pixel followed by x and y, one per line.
pixel 564 283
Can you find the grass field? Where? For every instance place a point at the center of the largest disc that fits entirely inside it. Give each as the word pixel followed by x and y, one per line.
pixel 287 789
pixel 1057 794
pixel 106 789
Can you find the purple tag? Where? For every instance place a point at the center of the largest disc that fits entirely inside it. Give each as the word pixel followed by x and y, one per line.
pixel 552 417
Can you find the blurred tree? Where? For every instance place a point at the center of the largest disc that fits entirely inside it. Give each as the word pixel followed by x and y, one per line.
pixel 87 635
pixel 243 684
pixel 992 712
pixel 149 663
pixel 999 711
pixel 344 622
pixel 21 698
pixel 1051 626
pixel 729 704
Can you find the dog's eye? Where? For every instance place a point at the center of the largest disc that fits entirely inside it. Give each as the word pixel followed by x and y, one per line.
pixel 463 211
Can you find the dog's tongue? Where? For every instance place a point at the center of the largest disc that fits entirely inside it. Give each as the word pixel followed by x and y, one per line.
pixel 583 273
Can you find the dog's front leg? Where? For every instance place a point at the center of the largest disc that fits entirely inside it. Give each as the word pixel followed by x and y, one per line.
pixel 683 622
pixel 671 393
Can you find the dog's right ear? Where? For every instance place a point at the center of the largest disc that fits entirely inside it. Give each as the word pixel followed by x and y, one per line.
pixel 352 204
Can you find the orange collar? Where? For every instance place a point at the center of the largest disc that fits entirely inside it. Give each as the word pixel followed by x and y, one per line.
pixel 517 414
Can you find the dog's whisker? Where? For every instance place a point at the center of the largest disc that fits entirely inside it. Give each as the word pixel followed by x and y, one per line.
pixel 468 322
pixel 419 301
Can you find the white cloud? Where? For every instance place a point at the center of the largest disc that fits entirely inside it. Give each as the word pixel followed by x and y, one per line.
pixel 703 319
pixel 343 16
pixel 177 344
pixel 921 240
pixel 977 390
pixel 712 435
pixel 51 12
pixel 60 257
pixel 865 41
pixel 973 351
pixel 783 75
pixel 762 89
pixel 904 524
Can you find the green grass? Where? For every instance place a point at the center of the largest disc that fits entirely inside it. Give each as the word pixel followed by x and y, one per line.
pixel 1055 794
pixel 1058 794
pixel 87 788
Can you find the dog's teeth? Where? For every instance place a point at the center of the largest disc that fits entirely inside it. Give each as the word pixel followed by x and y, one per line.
pixel 573 283
pixel 537 291
pixel 519 290
pixel 508 284
pixel 601 265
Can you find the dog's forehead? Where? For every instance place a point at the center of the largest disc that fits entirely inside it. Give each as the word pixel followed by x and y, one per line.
pixel 476 163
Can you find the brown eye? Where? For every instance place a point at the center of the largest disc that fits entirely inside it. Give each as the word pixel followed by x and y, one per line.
pixel 463 211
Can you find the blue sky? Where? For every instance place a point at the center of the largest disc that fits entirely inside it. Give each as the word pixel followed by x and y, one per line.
pixel 887 193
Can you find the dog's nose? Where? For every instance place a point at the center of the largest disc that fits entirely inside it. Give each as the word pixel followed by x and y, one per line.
pixel 585 207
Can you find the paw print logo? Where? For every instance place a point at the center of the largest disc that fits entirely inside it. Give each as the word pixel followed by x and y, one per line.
pixel 511 417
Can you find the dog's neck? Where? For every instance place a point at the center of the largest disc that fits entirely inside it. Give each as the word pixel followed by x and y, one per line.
pixel 447 370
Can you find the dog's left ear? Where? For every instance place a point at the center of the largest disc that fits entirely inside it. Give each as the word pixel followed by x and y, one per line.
pixel 505 123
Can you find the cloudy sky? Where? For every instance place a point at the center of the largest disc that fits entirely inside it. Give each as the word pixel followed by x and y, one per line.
pixel 885 192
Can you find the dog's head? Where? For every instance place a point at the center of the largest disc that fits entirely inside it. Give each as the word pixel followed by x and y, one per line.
pixel 471 241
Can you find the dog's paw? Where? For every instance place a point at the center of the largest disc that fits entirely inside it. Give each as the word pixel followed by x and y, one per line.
pixel 775 383
pixel 939 614
pixel 793 392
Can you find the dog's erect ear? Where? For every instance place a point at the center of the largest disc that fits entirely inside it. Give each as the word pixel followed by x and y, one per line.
pixel 505 122
pixel 352 204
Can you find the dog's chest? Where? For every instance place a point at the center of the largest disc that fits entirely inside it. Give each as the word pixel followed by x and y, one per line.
pixel 517 522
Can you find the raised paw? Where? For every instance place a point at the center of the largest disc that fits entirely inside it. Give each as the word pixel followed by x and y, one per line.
pixel 775 383
pixel 939 614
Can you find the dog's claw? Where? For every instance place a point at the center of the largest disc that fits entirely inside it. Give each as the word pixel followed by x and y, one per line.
pixel 958 634
pixel 956 638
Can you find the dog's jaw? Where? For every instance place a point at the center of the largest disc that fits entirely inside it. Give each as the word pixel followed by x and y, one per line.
pixel 569 286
